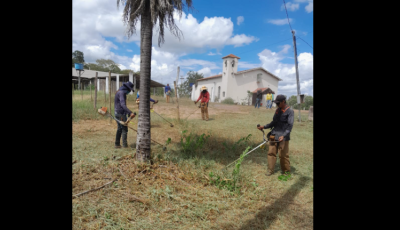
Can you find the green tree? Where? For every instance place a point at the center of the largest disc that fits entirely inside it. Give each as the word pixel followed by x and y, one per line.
pixel 149 13
pixel 292 102
pixel 308 101
pixel 77 57
pixel 126 71
pixel 184 89
pixel 108 65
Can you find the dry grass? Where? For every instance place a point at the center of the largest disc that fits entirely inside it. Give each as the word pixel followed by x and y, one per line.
pixel 175 192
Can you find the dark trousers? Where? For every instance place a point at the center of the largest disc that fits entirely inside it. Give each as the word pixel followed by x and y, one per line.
pixel 257 103
pixel 121 131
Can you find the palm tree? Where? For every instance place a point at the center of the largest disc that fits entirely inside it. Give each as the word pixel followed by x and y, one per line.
pixel 149 12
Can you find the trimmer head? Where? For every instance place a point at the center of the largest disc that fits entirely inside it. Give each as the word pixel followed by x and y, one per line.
pixel 102 111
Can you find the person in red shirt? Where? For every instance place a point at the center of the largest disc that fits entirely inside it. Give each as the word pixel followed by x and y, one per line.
pixel 205 97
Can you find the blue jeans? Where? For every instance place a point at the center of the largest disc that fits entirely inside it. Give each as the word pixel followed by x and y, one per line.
pixel 257 103
pixel 269 104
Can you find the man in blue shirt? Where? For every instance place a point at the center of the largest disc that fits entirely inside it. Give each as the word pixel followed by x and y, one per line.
pixel 138 100
pixel 167 92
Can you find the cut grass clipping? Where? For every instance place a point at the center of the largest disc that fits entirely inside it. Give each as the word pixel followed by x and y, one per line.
pixel 176 192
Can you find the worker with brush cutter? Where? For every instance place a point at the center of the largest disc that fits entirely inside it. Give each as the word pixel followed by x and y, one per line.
pixel 167 92
pixel 138 100
pixel 205 97
pixel 282 124
pixel 120 111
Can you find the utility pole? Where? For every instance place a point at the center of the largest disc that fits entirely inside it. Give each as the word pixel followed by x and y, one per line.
pixel 297 73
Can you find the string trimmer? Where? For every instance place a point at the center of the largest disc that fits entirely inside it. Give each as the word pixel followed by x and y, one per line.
pixel 193 112
pixel 262 145
pixel 161 116
pixel 103 111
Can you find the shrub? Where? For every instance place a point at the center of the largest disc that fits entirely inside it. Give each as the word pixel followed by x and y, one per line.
pixel 228 100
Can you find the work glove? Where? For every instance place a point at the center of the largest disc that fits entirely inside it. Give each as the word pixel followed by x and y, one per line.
pixel 133 115
pixel 155 102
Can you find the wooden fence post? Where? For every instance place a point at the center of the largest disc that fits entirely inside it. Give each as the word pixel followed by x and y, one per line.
pixel 109 90
pixel 91 98
pixel 95 91
pixel 105 99
pixel 81 92
pixel 176 99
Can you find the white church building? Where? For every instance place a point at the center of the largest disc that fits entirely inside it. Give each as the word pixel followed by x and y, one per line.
pixel 235 85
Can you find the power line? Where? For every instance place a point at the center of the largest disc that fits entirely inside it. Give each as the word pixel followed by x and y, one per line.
pixel 287 15
pixel 305 42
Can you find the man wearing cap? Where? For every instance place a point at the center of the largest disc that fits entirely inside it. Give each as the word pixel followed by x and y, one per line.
pixel 282 124
pixel 205 97
pixel 167 92
pixel 120 111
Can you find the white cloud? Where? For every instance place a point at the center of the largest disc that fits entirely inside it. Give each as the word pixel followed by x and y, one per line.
pixel 272 61
pixel 280 22
pixel 285 48
pixel 239 20
pixel 213 32
pixel 240 40
pixel 98 29
pixel 206 72
pixel 309 8
pixel 212 54
pixel 122 67
pixel 290 6
pixel 164 66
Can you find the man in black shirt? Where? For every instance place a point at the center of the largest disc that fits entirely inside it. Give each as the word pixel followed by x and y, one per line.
pixel 279 137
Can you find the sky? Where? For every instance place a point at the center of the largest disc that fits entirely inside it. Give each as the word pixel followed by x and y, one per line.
pixel 258 32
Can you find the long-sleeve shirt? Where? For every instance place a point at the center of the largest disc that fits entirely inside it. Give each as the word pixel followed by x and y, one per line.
pixel 120 102
pixel 259 95
pixel 282 123
pixel 269 96
pixel 205 97
pixel 167 88
pixel 137 97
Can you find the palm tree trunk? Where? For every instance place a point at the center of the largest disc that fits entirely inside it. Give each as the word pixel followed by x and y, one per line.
pixel 143 135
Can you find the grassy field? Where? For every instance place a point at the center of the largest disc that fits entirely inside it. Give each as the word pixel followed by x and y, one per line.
pixel 181 189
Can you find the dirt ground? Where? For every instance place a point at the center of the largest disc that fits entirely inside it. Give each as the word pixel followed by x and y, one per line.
pixel 266 203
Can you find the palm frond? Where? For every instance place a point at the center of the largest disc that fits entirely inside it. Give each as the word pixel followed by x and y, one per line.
pixel 162 13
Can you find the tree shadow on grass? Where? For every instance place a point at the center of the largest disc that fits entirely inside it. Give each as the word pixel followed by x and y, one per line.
pixel 267 215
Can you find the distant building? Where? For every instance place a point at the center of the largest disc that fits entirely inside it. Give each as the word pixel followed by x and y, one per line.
pixel 235 85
